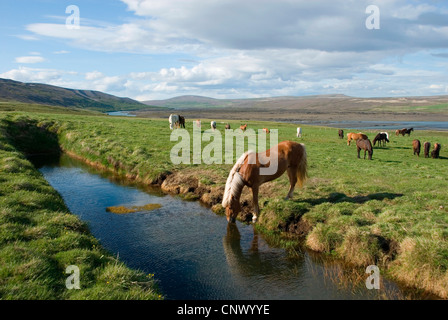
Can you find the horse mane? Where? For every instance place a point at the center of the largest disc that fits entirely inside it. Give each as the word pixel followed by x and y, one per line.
pixel 234 182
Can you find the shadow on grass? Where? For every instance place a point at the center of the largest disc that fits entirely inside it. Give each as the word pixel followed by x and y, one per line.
pixel 337 197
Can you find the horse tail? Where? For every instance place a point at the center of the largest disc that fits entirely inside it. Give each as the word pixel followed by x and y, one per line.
pixel 234 182
pixel 302 167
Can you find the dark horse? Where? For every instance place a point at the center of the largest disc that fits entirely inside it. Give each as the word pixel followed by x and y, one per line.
pixel 181 121
pixel 404 131
pixel 436 151
pixel 426 147
pixel 380 138
pixel 366 145
pixel 341 134
pixel 416 146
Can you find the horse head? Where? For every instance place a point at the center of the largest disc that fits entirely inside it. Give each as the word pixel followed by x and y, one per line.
pixel 232 209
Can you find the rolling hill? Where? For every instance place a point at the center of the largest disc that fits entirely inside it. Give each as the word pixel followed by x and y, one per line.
pixel 43 94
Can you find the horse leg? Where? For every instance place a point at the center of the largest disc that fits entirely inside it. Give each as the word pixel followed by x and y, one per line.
pixel 292 175
pixel 255 203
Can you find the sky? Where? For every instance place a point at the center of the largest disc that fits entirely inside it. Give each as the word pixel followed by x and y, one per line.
pixel 159 49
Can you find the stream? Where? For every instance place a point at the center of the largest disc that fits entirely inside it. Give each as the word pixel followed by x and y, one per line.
pixel 193 253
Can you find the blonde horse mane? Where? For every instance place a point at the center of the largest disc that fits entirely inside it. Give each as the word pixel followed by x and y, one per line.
pixel 234 182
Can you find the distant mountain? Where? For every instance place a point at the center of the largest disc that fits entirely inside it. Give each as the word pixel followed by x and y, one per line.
pixel 189 102
pixel 200 102
pixel 62 97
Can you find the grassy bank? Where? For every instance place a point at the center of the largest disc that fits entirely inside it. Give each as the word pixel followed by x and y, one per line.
pixel 390 211
pixel 40 238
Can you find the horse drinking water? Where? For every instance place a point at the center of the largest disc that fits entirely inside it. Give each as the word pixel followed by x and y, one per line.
pixel 290 157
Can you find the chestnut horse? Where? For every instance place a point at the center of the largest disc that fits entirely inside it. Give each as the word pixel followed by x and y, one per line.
pixel 426 147
pixel 436 151
pixel 266 130
pixel 243 127
pixel 416 146
pixel 366 145
pixel 291 157
pixel 355 136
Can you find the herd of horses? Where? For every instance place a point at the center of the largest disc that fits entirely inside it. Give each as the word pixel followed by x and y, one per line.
pixel 291 157
pixel 178 121
pixel 363 143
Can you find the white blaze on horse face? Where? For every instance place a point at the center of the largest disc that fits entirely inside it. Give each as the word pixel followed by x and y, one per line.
pixel 273 157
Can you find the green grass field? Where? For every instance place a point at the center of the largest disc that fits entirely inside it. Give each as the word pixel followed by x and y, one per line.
pixel 391 211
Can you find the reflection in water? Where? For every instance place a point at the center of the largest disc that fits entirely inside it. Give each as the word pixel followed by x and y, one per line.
pixel 194 253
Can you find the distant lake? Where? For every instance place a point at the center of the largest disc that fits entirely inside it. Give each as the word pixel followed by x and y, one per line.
pixel 121 114
pixel 381 125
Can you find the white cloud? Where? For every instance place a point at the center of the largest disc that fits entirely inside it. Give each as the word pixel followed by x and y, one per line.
pixel 30 59
pixel 269 47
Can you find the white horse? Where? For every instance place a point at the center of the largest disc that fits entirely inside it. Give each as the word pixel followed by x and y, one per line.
pixel 213 125
pixel 299 132
pixel 174 120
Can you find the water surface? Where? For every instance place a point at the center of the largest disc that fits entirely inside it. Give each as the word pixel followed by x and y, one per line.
pixel 192 251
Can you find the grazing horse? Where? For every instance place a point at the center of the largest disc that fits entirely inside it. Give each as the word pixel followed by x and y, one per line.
pixel 380 138
pixel 426 147
pixel 435 152
pixel 182 122
pixel 266 130
pixel 341 134
pixel 291 157
pixel 355 136
pixel 366 145
pixel 227 126
pixel 416 146
pixel 243 128
pixel 213 125
pixel 174 121
pixel 299 132
pixel 404 131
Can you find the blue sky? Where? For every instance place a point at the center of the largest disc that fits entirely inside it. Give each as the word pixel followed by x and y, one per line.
pixel 157 49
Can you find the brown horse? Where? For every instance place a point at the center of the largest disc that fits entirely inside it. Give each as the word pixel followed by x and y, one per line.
pixel 404 131
pixel 355 136
pixel 290 157
pixel 266 130
pixel 243 127
pixel 416 146
pixel 426 147
pixel 181 121
pixel 436 151
pixel 227 126
pixel 341 134
pixel 366 145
